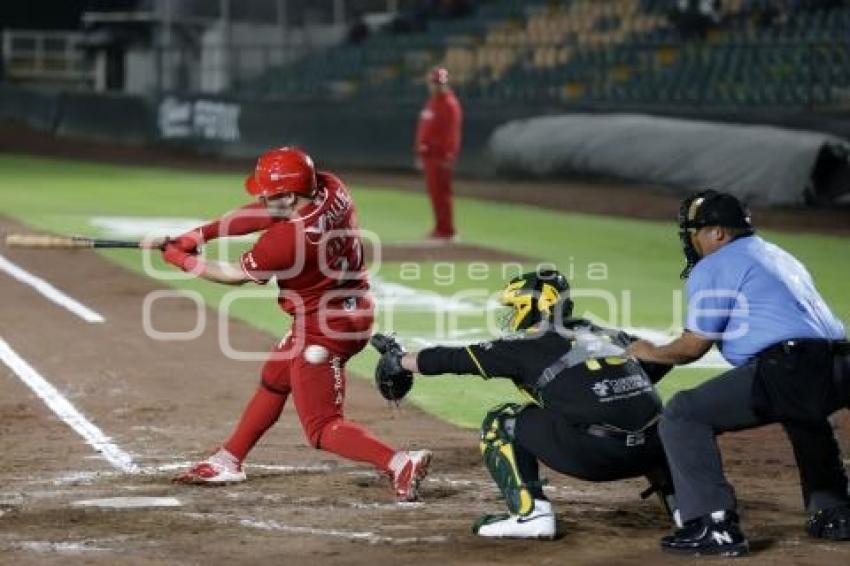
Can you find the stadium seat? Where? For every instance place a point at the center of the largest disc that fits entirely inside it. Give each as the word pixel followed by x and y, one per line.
pixel 616 51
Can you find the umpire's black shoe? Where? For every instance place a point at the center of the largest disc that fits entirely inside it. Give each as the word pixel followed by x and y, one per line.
pixel 830 524
pixel 717 534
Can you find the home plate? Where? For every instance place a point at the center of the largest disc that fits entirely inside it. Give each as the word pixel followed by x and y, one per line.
pixel 129 502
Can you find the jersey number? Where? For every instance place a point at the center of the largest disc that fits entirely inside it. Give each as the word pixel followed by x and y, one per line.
pixel 346 255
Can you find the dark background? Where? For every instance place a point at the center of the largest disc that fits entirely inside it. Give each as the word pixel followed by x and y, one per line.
pixel 53 14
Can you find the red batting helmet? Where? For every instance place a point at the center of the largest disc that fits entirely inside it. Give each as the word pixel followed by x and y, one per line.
pixel 283 170
pixel 439 76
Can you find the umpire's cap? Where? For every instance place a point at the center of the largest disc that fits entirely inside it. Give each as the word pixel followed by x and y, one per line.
pixel 713 208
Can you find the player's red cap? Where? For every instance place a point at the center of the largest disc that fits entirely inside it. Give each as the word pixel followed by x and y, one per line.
pixel 439 76
pixel 283 170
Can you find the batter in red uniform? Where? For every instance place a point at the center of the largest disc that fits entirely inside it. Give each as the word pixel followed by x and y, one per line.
pixel 437 148
pixel 311 246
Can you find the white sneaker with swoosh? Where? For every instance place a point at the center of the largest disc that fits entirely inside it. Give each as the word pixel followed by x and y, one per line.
pixel 539 524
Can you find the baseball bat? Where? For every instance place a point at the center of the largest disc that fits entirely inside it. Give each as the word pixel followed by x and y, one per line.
pixel 45 241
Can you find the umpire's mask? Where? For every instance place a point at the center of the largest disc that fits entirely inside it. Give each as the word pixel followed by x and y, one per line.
pixel 532 298
pixel 710 208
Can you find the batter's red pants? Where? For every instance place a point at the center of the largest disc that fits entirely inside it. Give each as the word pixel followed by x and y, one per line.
pixel 318 389
pixel 438 177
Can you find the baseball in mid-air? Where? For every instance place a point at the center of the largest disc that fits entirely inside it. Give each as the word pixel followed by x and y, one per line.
pixel 315 354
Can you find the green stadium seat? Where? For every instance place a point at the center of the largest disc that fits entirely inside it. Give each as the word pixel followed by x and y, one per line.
pixel 590 53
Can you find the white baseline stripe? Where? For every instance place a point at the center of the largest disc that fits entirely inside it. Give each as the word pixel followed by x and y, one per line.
pixel 50 292
pixel 366 536
pixel 88 477
pixel 66 411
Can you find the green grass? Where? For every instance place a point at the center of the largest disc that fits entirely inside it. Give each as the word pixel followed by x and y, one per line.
pixel 641 259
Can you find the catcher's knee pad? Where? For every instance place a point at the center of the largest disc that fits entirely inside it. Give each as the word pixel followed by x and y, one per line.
pixel 497 438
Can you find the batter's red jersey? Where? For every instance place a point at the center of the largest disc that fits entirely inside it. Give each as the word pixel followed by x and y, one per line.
pixel 319 253
pixel 438 133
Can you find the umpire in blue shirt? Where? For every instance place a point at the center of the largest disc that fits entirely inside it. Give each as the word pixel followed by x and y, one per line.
pixel 792 366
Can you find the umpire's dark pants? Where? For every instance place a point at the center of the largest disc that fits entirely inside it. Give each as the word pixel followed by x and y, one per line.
pixel 688 427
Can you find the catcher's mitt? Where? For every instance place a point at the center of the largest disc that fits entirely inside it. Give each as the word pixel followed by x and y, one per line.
pixel 393 381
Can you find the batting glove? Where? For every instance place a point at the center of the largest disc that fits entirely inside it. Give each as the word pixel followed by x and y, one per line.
pixel 190 242
pixel 182 260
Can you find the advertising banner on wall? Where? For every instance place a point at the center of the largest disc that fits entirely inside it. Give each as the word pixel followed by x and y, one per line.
pixel 200 118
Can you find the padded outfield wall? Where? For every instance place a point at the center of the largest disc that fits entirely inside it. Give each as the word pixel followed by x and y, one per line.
pixel 353 133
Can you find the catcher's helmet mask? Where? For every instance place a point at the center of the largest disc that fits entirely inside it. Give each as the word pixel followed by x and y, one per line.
pixel 533 298
pixel 710 208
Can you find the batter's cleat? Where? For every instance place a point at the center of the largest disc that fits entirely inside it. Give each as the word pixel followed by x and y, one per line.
pixel 219 469
pixel 411 470
pixel 539 524
pixel 830 524
pixel 717 534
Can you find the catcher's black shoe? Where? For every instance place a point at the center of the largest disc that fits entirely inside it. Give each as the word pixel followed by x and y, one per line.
pixel 830 524
pixel 717 534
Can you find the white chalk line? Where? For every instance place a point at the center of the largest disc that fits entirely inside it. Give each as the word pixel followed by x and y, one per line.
pixel 128 502
pixel 282 468
pixel 365 536
pixel 588 493
pixel 66 411
pixel 88 476
pixel 75 547
pixel 46 547
pixel 150 226
pixel 50 292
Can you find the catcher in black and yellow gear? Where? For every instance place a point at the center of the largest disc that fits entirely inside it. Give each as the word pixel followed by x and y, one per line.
pixel 592 412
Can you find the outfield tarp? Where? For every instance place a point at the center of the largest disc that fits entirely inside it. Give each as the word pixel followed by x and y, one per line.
pixel 757 163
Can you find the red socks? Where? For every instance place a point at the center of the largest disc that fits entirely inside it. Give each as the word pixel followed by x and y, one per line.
pixel 341 437
pixel 261 413
pixel 354 442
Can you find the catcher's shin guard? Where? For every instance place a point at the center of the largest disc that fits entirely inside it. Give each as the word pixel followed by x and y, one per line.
pixel 497 448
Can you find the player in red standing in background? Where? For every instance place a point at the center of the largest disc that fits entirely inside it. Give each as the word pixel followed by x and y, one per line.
pixel 312 246
pixel 437 148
